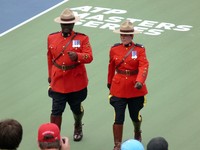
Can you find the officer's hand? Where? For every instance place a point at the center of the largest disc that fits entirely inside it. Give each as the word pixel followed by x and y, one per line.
pixel 138 85
pixel 73 56
pixel 108 86
pixel 65 143
pixel 49 80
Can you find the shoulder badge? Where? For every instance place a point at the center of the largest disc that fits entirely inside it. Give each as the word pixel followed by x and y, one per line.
pixel 116 44
pixel 139 45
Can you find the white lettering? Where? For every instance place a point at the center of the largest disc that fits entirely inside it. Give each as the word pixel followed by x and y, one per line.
pixel 165 25
pixel 134 20
pixel 115 11
pixel 140 29
pixel 82 15
pixel 110 26
pixel 98 9
pixel 102 19
pixel 93 24
pixel 182 28
pixel 84 8
pixel 154 32
pixel 80 22
pixel 114 19
pixel 147 23
pixel 97 17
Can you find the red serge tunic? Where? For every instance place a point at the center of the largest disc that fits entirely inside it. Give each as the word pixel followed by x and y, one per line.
pixel 66 81
pixel 123 85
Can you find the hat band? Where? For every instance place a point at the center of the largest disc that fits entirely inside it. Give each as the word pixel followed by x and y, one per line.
pixel 67 19
pixel 126 30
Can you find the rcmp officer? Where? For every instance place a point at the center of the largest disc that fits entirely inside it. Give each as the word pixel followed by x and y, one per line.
pixel 127 72
pixel 68 52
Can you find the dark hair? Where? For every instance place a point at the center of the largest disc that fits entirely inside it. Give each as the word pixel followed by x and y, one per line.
pixel 157 143
pixel 11 133
pixel 46 145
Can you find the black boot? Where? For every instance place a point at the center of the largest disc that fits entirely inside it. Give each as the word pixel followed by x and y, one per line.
pixel 137 131
pixel 78 132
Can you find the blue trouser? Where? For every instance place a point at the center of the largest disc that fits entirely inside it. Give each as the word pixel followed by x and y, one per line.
pixel 74 100
pixel 134 106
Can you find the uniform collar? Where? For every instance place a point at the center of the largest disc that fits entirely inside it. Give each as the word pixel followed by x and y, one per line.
pixel 67 35
pixel 128 45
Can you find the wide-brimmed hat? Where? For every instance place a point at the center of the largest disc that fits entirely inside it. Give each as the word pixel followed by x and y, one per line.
pixel 67 17
pixel 126 28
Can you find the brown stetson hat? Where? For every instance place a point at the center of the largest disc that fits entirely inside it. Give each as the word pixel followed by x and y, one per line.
pixel 126 28
pixel 67 17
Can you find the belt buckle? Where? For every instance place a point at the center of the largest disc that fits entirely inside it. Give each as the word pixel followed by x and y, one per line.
pixel 128 72
pixel 63 67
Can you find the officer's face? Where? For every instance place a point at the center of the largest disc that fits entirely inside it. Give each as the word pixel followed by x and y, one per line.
pixel 67 28
pixel 126 38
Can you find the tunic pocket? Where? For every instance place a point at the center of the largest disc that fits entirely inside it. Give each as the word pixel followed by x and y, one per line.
pixel 116 80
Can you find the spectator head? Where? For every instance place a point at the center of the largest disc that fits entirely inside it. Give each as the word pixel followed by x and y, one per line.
pixel 132 144
pixel 11 133
pixel 157 143
pixel 49 136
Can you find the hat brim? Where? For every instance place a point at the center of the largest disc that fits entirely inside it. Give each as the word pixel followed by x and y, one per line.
pixel 119 32
pixel 58 20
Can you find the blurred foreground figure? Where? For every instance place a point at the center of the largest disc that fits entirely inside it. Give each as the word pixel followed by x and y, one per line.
pixel 49 138
pixel 157 143
pixel 11 133
pixel 132 144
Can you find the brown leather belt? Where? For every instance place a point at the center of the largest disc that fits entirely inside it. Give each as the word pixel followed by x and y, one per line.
pixel 65 67
pixel 127 72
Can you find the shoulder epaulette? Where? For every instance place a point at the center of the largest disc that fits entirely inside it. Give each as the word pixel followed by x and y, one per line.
pixel 116 44
pixel 139 45
pixel 80 33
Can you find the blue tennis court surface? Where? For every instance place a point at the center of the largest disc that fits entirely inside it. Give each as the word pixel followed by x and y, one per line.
pixel 15 12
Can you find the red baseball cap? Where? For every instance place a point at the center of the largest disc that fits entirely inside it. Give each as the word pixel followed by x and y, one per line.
pixel 48 129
